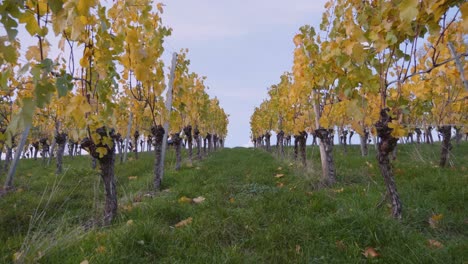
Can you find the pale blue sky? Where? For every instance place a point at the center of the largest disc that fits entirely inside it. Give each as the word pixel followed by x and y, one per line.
pixel 241 46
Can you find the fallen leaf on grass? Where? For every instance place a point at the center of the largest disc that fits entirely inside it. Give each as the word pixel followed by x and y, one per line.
pixel 17 256
pixel 298 249
pixel 84 262
pixel 280 185
pixel 279 168
pixel 434 220
pixel 184 199
pixel 279 176
pixel 338 190
pixel 232 200
pixel 370 252
pixel 132 178
pixel 340 245
pixel 434 243
pixel 198 200
pixel 127 208
pixel 101 249
pixel 184 222
pixel 130 222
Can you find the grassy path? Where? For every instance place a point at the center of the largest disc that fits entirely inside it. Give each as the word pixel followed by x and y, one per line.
pixel 259 210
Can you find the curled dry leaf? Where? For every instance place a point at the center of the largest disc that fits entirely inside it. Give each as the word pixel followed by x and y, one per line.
pixel 17 256
pixel 232 200
pixel 84 262
pixel 298 249
pixel 434 243
pixel 279 176
pixel 370 252
pixel 280 185
pixel 184 222
pixel 199 199
pixel 132 178
pixel 279 168
pixel 130 222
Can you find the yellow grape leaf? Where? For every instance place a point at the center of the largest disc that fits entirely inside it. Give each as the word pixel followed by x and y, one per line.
pixel 159 6
pixel 370 252
pixel 279 176
pixel 102 152
pixel 298 39
pixel 184 222
pixel 33 52
pixel 83 6
pixel 408 10
pixel 184 199
pixel 464 11
pixel 29 19
pixel 199 199
pixel 398 131
pixel 107 141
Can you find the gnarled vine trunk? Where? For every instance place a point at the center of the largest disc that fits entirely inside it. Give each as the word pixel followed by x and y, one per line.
pixel 188 133
pixel 386 146
pixel 158 134
pixel 136 135
pixel 267 141
pixel 60 140
pixel 302 147
pixel 198 139
pixel 106 164
pixel 446 146
pixel 364 138
pixel 326 156
pixel 280 143
pixel 177 145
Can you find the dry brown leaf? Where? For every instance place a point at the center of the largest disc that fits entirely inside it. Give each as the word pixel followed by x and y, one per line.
pixel 298 249
pixel 130 222
pixel 370 252
pixel 232 200
pixel 434 243
pixel 340 245
pixel 132 178
pixel 185 199
pixel 101 249
pixel 184 222
pixel 279 176
pixel 127 208
pixel 279 168
pixel 434 220
pixel 84 262
pixel 280 185
pixel 199 199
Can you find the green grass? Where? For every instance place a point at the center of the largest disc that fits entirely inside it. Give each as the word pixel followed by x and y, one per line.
pixel 249 216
